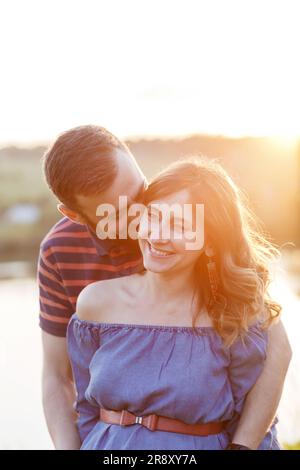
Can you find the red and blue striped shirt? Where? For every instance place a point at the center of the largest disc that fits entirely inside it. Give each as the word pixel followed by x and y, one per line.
pixel 71 257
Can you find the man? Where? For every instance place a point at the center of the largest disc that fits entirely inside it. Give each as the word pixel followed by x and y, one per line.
pixel 88 166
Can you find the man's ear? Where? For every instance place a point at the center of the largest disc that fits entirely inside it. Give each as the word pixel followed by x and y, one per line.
pixel 72 215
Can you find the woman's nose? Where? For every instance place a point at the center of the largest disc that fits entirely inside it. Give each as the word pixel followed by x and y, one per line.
pixel 158 241
pixel 160 232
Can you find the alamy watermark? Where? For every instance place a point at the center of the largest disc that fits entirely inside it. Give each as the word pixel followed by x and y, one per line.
pixel 164 221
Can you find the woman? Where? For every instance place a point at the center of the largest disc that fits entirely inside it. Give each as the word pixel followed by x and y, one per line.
pixel 164 359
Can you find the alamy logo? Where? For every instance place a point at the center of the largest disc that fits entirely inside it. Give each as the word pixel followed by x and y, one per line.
pixel 163 221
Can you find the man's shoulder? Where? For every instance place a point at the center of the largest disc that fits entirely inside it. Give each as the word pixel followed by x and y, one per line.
pixel 63 229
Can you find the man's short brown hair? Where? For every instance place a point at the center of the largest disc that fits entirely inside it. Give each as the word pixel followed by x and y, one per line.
pixel 81 161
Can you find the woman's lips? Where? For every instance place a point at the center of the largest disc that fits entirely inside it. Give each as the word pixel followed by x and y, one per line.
pixel 159 253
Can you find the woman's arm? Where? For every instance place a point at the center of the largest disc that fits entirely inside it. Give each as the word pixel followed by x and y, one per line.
pixel 82 343
pixel 262 401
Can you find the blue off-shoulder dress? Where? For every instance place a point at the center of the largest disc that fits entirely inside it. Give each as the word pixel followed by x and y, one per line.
pixel 172 371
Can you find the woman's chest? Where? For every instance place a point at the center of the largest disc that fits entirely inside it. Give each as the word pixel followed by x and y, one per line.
pixel 171 365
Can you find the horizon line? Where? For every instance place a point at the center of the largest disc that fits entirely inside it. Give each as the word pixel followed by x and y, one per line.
pixel 147 137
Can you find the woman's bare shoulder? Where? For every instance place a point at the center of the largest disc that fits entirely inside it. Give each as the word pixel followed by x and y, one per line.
pixel 98 297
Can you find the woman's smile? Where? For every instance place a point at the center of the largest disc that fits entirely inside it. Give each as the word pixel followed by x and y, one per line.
pixel 159 253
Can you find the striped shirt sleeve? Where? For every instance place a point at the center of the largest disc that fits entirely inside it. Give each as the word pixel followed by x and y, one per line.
pixel 55 307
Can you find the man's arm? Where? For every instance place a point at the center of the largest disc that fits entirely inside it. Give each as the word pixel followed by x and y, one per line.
pixel 262 401
pixel 59 393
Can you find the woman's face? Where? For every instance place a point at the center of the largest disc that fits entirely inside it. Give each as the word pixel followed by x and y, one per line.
pixel 165 235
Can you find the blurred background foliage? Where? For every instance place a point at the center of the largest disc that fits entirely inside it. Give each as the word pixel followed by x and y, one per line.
pixel 267 170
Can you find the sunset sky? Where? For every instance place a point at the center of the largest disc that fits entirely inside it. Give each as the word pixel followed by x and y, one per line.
pixel 149 68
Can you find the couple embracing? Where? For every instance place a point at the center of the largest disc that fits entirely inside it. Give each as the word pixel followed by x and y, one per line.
pixel 153 341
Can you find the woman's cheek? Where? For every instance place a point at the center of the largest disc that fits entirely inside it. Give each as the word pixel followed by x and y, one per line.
pixel 182 241
pixel 178 242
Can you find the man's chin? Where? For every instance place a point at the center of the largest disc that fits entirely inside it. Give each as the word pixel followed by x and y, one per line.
pixel 127 241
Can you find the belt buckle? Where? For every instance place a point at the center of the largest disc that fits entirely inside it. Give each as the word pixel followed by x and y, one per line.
pixel 149 421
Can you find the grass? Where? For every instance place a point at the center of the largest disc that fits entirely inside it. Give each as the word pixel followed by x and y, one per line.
pixel 295 446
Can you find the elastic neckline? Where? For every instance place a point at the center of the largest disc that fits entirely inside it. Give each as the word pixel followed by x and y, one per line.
pixel 142 325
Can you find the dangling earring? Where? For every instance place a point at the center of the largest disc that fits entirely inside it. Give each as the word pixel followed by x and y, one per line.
pixel 213 277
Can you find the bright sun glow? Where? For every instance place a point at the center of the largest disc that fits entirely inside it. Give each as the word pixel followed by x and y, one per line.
pixel 149 68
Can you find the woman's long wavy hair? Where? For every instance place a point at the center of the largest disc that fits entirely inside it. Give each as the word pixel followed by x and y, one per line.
pixel 243 254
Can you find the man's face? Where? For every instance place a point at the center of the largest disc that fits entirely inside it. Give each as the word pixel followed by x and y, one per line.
pixel 129 182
